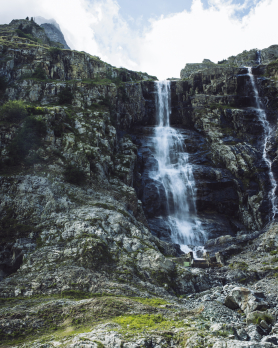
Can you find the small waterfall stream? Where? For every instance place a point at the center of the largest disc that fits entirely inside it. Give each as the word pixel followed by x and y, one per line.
pixel 175 174
pixel 267 135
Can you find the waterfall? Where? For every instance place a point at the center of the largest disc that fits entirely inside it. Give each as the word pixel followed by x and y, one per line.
pixel 267 135
pixel 175 174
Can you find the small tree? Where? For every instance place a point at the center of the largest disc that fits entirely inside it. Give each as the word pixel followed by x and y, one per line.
pixel 28 137
pixel 39 73
pixel 27 18
pixel 3 83
pixel 13 111
pixel 54 52
pixel 74 175
pixel 65 96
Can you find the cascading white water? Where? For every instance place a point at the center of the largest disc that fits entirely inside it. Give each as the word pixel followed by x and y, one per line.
pixel 267 135
pixel 175 174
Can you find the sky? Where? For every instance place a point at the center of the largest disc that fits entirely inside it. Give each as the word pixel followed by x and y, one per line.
pixel 156 36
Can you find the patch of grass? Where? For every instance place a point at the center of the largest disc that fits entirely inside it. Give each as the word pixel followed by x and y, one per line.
pixel 146 322
pixel 223 333
pixel 35 110
pixel 239 265
pixel 74 175
pixel 258 317
pixel 154 302
pixel 274 252
pixel 99 344
pixel 78 294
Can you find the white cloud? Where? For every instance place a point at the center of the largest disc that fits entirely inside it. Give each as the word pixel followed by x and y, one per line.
pixel 213 33
pixel 168 43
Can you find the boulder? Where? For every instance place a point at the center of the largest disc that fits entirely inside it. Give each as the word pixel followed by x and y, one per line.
pixel 245 299
pixel 242 335
pixel 271 339
pixel 254 333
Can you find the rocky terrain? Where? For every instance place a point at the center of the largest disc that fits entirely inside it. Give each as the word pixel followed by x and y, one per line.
pixel 84 260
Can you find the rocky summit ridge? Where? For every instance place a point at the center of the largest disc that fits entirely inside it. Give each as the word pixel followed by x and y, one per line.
pixel 85 259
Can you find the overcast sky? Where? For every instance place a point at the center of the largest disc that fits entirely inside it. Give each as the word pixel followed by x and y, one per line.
pixel 156 36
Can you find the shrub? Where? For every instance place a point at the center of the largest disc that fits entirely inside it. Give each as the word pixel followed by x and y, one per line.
pixel 3 83
pixel 65 96
pixel 13 111
pixel 105 101
pixel 20 33
pixel 35 110
pixel 54 52
pixel 26 30
pixel 39 73
pixel 27 138
pixel 74 175
pixel 222 61
pixel 258 317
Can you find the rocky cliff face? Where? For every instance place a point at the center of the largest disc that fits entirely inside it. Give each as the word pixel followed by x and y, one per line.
pixel 82 255
pixel 54 34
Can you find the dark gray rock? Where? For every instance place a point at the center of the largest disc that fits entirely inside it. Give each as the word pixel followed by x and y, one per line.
pixel 54 34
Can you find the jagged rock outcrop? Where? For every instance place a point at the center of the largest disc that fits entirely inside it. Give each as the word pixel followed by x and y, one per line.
pixel 54 34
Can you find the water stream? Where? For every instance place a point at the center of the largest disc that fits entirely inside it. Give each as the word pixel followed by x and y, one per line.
pixel 175 174
pixel 267 135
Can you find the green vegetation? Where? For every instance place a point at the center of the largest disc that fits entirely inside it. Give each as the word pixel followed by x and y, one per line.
pixel 55 52
pixel 224 61
pixel 11 228
pixel 26 30
pixel 105 101
pixel 78 294
pixel 258 317
pixel 274 252
pixel 3 83
pixel 223 333
pixel 154 302
pixel 30 37
pixel 146 322
pixel 74 175
pixel 13 111
pixel 65 96
pixel 272 66
pixel 35 110
pixel 239 265
pixel 39 73
pixel 27 138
